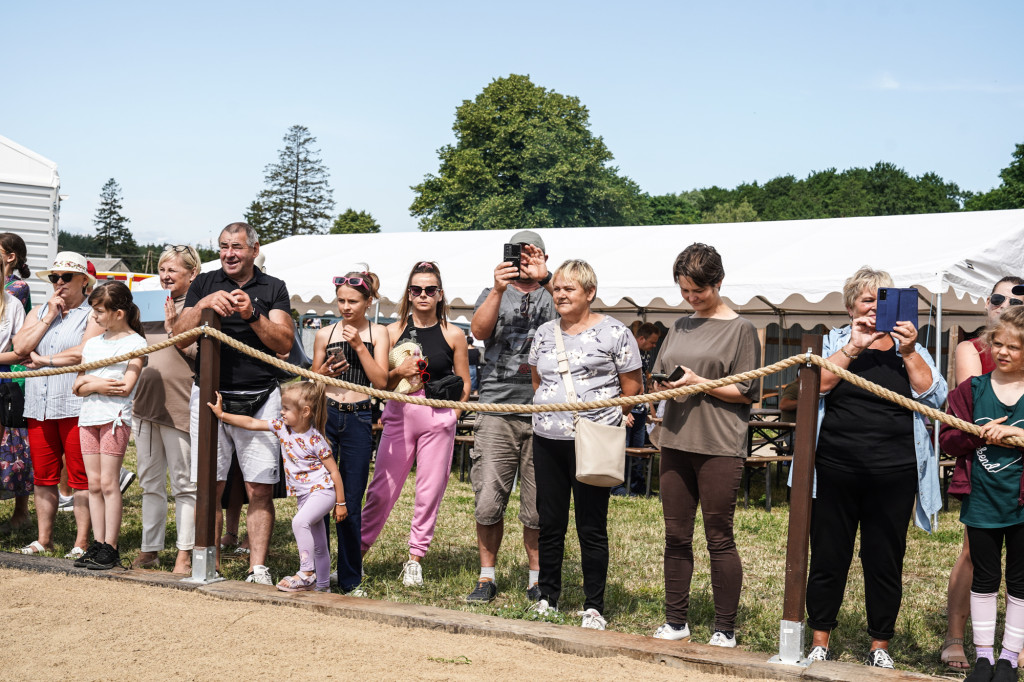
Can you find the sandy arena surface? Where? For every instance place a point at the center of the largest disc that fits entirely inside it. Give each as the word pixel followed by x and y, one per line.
pixel 62 627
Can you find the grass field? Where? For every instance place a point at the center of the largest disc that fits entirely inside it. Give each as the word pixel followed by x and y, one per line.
pixel 635 593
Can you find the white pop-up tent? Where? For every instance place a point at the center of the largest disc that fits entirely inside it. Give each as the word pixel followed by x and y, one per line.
pixel 789 272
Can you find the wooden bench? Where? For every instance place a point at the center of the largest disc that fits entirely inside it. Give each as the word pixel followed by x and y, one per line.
pixel 756 462
pixel 647 453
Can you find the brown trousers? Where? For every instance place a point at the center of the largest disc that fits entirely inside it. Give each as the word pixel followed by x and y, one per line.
pixel 687 479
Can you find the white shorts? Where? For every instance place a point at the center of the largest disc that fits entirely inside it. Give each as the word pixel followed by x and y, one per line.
pixel 258 452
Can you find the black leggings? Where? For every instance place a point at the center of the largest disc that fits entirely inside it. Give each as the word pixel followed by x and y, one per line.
pixel 881 505
pixel 987 555
pixel 554 466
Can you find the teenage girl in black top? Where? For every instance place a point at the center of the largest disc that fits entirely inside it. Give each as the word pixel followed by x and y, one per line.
pixel 354 350
pixel 416 433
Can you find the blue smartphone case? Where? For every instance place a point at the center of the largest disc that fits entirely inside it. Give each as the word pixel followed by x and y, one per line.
pixel 893 305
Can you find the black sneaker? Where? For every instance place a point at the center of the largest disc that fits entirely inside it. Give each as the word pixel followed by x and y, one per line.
pixel 106 558
pixel 880 658
pixel 85 560
pixel 533 592
pixel 485 591
pixel 982 671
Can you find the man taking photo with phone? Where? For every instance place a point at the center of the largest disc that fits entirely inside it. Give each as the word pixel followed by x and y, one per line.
pixel 506 319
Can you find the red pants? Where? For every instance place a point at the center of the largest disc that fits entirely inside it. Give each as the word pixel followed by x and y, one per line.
pixel 48 441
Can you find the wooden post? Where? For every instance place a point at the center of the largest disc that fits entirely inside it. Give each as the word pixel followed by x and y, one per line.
pixel 204 555
pixel 791 632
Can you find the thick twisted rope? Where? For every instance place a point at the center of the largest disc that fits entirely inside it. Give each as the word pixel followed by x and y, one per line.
pixel 620 401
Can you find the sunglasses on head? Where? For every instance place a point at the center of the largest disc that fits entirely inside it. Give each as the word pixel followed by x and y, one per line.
pixel 350 281
pixel 65 277
pixel 430 291
pixel 995 300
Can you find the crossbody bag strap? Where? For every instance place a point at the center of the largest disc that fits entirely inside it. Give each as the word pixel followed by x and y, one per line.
pixel 563 369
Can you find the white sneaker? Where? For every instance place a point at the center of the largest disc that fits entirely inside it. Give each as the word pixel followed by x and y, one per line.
pixel 357 592
pixel 260 575
pixel 412 574
pixel 65 504
pixel 880 658
pixel 666 631
pixel 125 479
pixel 818 653
pixel 592 619
pixel 543 608
pixel 719 639
pixel 334 579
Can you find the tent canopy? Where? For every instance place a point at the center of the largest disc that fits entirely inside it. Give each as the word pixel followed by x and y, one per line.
pixel 788 271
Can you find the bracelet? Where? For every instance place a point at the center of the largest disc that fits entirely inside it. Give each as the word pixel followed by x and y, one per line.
pixel 50 361
pixel 340 504
pixel 544 282
pixel 852 357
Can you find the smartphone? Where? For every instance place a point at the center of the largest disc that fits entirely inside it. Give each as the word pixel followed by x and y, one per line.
pixel 512 254
pixel 336 352
pixel 676 375
pixel 894 305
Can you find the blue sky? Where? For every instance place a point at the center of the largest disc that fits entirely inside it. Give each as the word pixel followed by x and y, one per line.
pixel 185 103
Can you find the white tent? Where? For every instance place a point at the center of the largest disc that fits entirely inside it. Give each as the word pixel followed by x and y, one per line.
pixel 30 207
pixel 789 272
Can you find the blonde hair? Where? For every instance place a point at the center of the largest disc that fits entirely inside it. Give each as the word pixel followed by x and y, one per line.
pixel 580 272
pixel 1010 321
pixel 865 278
pixel 311 394
pixel 188 255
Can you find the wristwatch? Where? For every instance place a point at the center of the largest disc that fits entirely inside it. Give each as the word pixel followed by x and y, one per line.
pixel 544 282
pixel 252 318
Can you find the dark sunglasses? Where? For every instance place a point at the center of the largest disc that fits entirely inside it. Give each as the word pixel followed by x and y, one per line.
pixel 180 248
pixel 64 277
pixel 995 300
pixel 430 291
pixel 351 281
pixel 524 305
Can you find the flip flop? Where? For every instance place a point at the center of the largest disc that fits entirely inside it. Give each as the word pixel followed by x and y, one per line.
pixel 34 547
pixel 953 661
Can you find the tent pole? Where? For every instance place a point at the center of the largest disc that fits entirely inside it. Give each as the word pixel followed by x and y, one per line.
pixel 938 362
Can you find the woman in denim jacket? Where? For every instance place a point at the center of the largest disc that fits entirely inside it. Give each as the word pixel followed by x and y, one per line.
pixel 872 459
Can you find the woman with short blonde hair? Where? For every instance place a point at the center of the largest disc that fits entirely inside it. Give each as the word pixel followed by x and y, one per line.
pixel 161 419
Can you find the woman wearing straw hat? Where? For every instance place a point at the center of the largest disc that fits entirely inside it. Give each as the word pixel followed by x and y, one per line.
pixel 53 337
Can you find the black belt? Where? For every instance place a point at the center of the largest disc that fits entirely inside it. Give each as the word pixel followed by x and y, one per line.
pixel 349 407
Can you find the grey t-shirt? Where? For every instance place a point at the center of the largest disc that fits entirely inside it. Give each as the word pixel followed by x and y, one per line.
pixel 713 349
pixel 505 374
pixel 597 356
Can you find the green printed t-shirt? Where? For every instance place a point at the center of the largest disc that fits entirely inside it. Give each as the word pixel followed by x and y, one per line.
pixel 996 470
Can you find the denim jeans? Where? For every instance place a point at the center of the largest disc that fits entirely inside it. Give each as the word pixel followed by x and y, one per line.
pixel 350 435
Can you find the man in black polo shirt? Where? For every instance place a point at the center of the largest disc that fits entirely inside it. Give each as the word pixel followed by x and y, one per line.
pixel 255 309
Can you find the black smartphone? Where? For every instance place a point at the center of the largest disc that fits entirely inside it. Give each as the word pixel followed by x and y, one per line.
pixel 894 304
pixel 513 253
pixel 676 375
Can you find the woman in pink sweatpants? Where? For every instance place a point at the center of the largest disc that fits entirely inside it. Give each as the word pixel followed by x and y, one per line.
pixel 416 433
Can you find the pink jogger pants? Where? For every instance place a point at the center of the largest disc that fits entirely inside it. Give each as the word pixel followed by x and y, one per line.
pixel 412 433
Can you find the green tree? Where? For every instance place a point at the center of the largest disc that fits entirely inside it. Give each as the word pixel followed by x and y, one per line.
pixel 524 157
pixel 297 198
pixel 674 209
pixel 731 212
pixel 351 222
pixel 112 231
pixel 1009 194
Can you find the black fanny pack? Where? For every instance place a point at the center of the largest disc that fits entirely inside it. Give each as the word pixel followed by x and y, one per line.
pixel 445 388
pixel 245 404
pixel 12 406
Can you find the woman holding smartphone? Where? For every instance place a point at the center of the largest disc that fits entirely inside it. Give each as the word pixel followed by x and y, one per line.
pixel 354 350
pixel 704 441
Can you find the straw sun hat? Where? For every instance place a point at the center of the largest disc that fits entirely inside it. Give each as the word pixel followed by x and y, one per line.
pixel 68 261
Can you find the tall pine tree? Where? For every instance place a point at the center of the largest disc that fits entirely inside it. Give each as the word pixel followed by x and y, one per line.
pixel 297 198
pixel 112 231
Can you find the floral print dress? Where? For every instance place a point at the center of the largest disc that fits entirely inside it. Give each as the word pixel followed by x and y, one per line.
pixel 15 465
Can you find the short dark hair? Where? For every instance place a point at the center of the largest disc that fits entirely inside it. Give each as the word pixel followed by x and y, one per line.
pixel 700 263
pixel 646 329
pixel 1012 279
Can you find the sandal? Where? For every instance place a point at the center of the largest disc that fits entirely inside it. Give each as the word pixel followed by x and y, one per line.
pixel 954 661
pixel 34 547
pixel 228 534
pixel 75 553
pixel 146 563
pixel 298 583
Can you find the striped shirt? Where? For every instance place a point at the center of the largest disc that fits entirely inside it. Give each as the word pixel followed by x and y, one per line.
pixel 51 397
